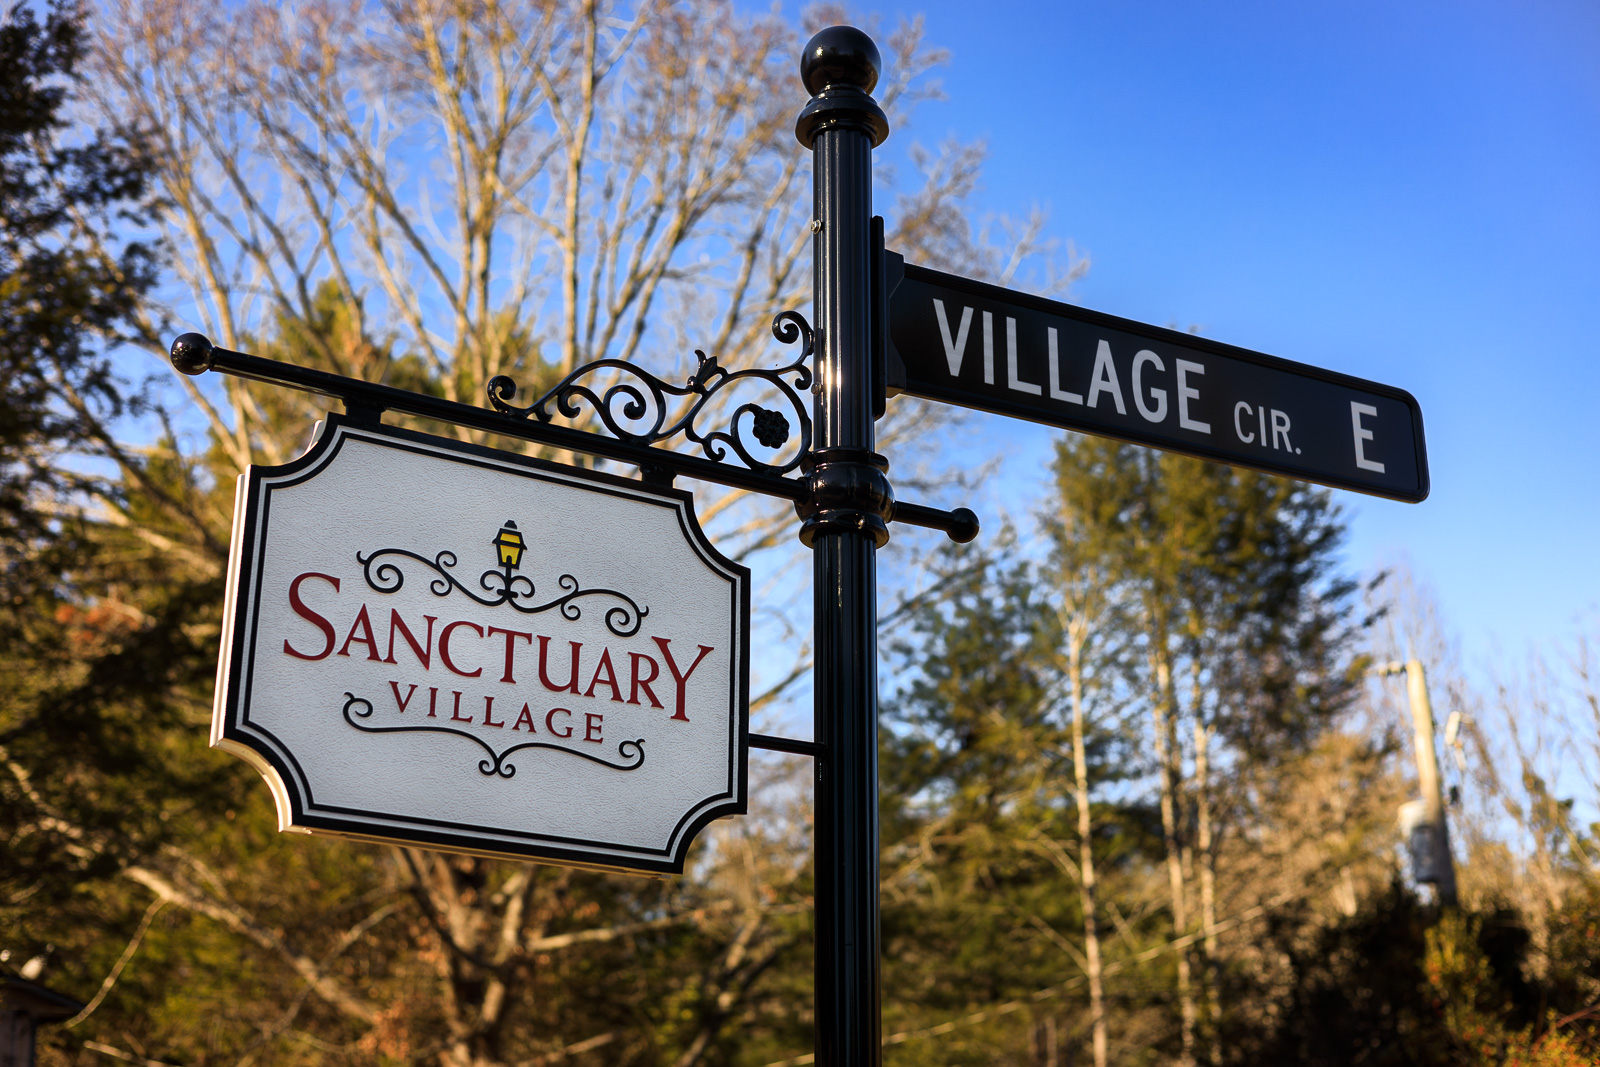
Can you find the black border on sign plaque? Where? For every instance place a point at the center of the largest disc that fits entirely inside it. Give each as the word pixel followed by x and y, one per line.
pixel 253 502
pixel 913 376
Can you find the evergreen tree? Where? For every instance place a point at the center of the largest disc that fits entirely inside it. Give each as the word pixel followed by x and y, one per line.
pixel 1240 632
pixel 979 822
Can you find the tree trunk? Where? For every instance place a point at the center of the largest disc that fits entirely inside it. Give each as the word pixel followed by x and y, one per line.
pixel 1170 756
pixel 1046 1045
pixel 1208 888
pixel 1077 633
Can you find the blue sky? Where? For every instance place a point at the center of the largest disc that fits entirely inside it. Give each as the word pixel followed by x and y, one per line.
pixel 1405 192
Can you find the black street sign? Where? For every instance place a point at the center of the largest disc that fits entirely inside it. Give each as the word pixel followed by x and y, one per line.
pixel 980 346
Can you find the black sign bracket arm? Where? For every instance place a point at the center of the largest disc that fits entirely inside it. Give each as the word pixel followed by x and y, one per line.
pixel 194 354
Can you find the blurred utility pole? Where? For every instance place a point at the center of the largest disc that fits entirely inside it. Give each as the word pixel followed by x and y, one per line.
pixel 1428 835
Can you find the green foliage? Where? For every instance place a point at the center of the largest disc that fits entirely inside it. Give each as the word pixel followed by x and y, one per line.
pixel 68 285
pixel 1491 1013
pixel 1357 992
pixel 1227 575
pixel 971 764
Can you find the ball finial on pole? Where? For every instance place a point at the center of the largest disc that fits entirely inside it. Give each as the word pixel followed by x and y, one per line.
pixel 840 68
pixel 842 56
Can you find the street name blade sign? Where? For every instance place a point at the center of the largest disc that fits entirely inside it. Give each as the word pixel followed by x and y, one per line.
pixel 434 644
pixel 980 346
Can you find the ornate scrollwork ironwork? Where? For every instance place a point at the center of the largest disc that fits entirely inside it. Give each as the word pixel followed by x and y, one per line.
pixel 502 587
pixel 631 752
pixel 635 409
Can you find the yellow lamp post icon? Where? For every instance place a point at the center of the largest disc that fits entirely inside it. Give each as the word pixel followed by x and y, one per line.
pixel 509 542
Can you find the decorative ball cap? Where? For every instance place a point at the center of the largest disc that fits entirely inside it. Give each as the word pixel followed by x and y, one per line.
pixel 965 528
pixel 841 56
pixel 191 353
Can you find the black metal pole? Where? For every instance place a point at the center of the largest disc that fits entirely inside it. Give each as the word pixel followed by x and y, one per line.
pixel 845 513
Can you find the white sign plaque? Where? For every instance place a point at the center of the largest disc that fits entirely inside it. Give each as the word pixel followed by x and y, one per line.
pixel 435 644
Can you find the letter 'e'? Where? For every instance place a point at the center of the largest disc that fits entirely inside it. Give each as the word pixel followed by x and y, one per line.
pixel 1362 436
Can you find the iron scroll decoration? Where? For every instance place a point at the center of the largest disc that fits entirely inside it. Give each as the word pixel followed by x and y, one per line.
pixel 631 752
pixel 503 587
pixel 641 397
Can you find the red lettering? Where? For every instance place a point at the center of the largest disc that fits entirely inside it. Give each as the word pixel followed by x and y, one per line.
pixel 544 677
pixel 433 701
pixel 364 624
pixel 680 678
pixel 488 713
pixel 525 717
pixel 455 716
pixel 511 636
pixel 643 683
pixel 591 727
pixel 551 714
pixel 424 653
pixel 611 676
pixel 401 703
pixel 310 616
pixel 444 648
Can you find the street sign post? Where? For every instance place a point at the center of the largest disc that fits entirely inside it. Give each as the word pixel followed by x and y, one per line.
pixel 963 342
pixel 846 520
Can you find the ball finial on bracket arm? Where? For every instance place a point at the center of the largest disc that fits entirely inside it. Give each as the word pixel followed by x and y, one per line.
pixel 840 55
pixel 191 353
pixel 840 67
